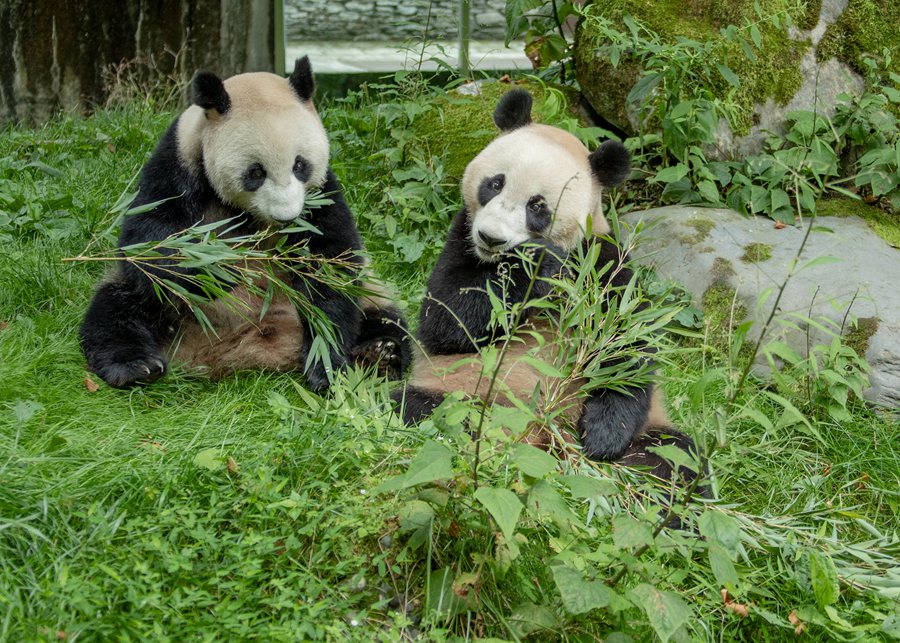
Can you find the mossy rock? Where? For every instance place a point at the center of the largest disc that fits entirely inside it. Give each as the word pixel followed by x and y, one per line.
pixel 756 252
pixel 885 224
pixel 866 27
pixel 463 125
pixel 774 74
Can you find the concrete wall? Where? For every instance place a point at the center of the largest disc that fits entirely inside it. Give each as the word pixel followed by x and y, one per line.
pixel 388 20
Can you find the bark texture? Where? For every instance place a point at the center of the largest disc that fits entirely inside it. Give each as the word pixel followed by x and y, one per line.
pixel 57 54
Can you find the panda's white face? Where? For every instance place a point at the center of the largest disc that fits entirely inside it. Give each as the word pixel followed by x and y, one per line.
pixel 532 182
pixel 265 152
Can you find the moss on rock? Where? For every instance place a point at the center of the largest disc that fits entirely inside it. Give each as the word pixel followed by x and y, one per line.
pixel 756 253
pixel 774 74
pixel 722 311
pixel 702 228
pixel 721 271
pixel 886 225
pixel 865 27
pixel 858 337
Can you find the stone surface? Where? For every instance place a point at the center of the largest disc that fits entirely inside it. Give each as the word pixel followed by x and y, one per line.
pixel 700 247
pixel 374 20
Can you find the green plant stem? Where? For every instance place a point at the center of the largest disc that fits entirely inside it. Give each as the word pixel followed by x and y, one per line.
pixel 559 27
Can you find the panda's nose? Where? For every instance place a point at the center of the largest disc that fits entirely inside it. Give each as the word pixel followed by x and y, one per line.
pixel 490 242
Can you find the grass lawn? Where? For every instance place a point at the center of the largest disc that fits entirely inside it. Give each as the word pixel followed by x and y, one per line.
pixel 246 509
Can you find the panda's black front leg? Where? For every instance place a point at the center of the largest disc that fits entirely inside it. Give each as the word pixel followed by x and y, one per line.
pixel 345 317
pixel 611 420
pixel 123 335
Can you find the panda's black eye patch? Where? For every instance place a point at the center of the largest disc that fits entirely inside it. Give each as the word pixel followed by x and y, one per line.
pixel 490 187
pixel 254 177
pixel 302 169
pixel 537 214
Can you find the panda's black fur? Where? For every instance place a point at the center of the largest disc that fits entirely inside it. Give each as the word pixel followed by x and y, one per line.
pixel 455 317
pixel 129 335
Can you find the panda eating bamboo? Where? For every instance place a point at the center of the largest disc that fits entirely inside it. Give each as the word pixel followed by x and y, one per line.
pixel 533 185
pixel 249 150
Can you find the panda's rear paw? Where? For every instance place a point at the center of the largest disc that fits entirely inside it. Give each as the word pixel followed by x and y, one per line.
pixel 124 374
pixel 386 355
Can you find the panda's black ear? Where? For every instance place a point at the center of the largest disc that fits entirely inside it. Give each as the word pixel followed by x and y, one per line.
pixel 610 163
pixel 209 92
pixel 513 110
pixel 301 78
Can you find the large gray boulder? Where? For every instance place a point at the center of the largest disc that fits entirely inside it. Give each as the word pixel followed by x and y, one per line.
pixel 705 248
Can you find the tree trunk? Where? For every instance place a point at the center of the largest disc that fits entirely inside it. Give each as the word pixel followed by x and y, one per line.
pixel 58 54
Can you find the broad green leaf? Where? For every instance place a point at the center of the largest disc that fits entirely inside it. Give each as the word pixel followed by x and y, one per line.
pixel 442 599
pixel 722 567
pixel 823 578
pixel 755 35
pixel 629 532
pixel 665 611
pixel 544 500
pixel 433 462
pixel 579 595
pixel 720 528
pixel 728 75
pixel 529 618
pixel 416 516
pixel 210 459
pixel 671 174
pixel 504 507
pixel 532 461
pixel 709 192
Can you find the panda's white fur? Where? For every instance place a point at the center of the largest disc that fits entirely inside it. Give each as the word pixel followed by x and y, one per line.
pixel 250 149
pixel 537 159
pixel 528 164
pixel 265 124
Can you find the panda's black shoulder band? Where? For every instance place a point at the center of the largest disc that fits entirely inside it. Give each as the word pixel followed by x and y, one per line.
pixel 513 110
pixel 611 163
pixel 209 92
pixel 301 78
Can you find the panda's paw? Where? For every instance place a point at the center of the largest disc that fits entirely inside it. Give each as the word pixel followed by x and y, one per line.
pixel 385 354
pixel 127 373
pixel 317 376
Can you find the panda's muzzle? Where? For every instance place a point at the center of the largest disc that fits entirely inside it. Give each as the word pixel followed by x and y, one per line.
pixel 490 243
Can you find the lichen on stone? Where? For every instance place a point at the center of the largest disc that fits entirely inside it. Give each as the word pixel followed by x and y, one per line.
pixel 756 253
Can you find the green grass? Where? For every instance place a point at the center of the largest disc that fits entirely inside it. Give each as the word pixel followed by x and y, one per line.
pixel 244 509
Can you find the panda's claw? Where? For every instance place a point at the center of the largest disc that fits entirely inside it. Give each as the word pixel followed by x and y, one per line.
pixel 382 354
pixel 128 373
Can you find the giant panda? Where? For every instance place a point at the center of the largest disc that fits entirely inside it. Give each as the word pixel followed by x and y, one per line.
pixel 250 148
pixel 536 186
